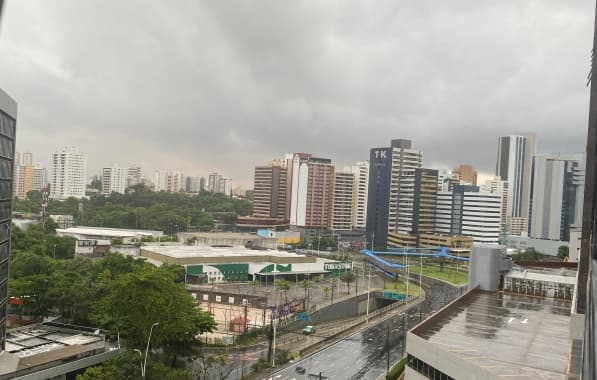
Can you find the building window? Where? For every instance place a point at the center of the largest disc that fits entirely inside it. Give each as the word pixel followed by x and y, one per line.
pixel 426 370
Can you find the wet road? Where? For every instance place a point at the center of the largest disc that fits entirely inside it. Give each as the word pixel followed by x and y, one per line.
pixel 364 355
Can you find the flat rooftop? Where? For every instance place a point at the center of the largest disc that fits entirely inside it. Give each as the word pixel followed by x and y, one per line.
pixel 193 251
pixel 113 232
pixel 511 336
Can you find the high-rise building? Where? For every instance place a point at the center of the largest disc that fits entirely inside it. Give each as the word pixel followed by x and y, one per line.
pixel 558 185
pixel 202 184
pixel 213 183
pixel 469 212
pixel 499 186
pixel 423 210
pixel 361 176
pixel 193 184
pixel 8 121
pixel 169 181
pixel 311 184
pixel 134 176
pixel 425 201
pixel 40 177
pixel 465 173
pixel 270 190
pixel 514 164
pixel 444 180
pixel 114 180
pixel 23 175
pixel 391 194
pixel 344 197
pixel 224 186
pixel 69 173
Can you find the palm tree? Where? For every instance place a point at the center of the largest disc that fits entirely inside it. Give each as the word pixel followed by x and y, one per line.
pixel 284 286
pixel 347 277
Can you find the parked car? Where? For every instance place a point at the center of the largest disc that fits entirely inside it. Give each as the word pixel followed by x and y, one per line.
pixel 308 330
pixel 300 369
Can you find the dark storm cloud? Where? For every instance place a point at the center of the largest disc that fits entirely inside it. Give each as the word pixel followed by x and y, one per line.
pixel 219 85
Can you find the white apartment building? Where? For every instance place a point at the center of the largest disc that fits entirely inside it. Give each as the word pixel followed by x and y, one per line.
pixel 405 161
pixel 69 173
pixel 499 186
pixel 469 212
pixel 344 201
pixel 169 181
pixel 114 180
pixel 361 176
pixel 134 176
pixel 40 177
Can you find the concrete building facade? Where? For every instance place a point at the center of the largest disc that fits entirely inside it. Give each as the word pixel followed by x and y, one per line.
pixel 465 173
pixel 270 191
pixel 344 201
pixel 361 175
pixel 499 186
pixel 114 180
pixel 469 212
pixel 69 173
pixel 557 194
pixel 169 181
pixel 391 193
pixel 514 164
pixel 311 191
pixel 40 177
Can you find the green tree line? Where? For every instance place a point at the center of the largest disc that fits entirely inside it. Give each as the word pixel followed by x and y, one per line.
pixel 120 294
pixel 142 208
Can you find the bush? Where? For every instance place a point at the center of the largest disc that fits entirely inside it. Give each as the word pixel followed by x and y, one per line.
pixel 397 370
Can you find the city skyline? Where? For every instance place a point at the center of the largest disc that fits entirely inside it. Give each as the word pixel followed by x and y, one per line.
pixel 189 116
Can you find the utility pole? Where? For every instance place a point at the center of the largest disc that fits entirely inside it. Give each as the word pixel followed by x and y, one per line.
pixel 246 304
pixel 388 347
pixel 270 337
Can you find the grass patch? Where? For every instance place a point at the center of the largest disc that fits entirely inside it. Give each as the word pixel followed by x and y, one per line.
pixel 400 287
pixel 448 274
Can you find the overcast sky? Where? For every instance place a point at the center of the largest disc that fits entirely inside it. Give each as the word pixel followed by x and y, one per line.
pixel 205 86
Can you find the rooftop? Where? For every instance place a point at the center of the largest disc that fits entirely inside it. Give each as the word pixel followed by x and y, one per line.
pixel 192 251
pixel 511 336
pixel 111 232
pixel 37 348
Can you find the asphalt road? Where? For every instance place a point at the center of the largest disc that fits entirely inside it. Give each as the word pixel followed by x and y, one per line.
pixel 363 355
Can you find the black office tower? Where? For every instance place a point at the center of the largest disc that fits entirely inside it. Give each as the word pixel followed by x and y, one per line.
pixel 380 178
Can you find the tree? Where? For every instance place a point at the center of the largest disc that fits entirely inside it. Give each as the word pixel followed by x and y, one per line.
pixel 326 289
pixel 284 286
pixel 136 300
pixel 563 252
pixel 347 277
pixel 127 366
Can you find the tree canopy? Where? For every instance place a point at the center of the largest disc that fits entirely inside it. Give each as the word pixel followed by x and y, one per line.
pixel 142 208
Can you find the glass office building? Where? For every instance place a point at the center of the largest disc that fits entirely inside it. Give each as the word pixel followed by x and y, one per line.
pixel 8 121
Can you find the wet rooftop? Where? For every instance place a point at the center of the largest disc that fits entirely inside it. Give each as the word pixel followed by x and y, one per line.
pixel 512 336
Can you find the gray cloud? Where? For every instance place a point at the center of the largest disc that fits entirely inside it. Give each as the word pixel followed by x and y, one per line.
pixel 216 85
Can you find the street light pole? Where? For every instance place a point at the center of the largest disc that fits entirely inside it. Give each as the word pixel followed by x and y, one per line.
pixel 147 349
pixel 368 286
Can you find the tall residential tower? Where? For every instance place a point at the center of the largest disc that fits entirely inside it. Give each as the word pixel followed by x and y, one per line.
pixel 69 173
